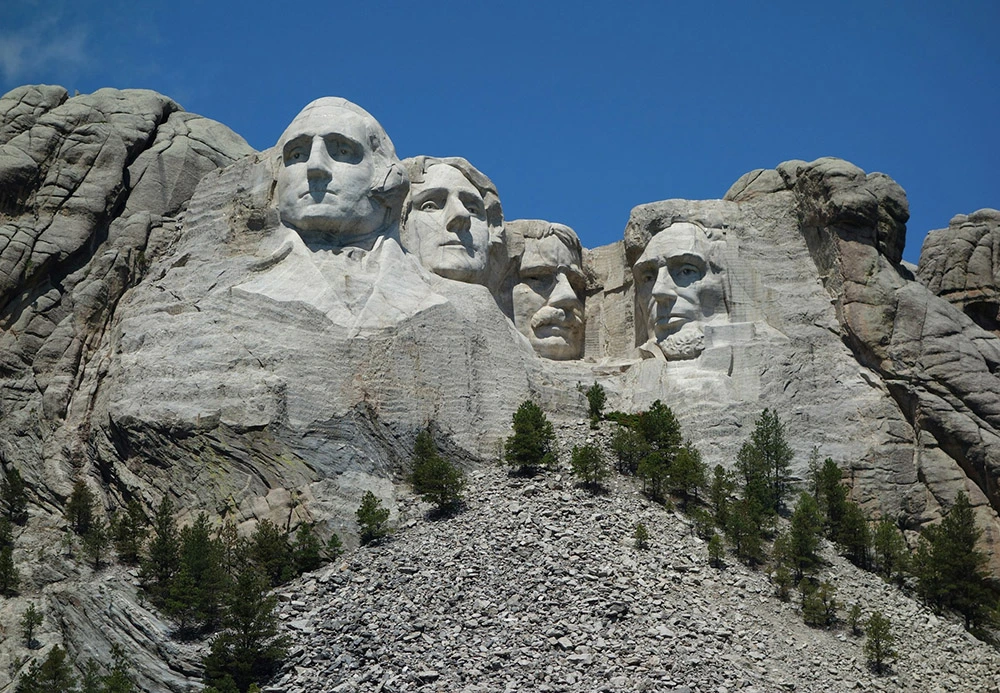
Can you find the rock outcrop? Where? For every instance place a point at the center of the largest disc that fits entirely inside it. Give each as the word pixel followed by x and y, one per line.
pixel 167 331
pixel 962 265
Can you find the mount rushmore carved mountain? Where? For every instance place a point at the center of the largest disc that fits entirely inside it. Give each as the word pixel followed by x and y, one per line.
pixel 263 334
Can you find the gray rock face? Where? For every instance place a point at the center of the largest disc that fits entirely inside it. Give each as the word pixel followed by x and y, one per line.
pixel 962 265
pixel 941 368
pixel 169 327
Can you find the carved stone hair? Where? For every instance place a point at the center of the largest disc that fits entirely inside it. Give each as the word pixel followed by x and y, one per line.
pixel 537 230
pixel 416 167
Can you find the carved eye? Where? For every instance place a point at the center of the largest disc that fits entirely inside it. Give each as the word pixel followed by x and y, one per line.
pixel 474 208
pixel 295 155
pixel 689 273
pixel 429 206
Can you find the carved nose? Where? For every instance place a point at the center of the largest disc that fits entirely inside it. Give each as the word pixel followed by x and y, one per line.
pixel 563 295
pixel 457 215
pixel 664 289
pixel 318 165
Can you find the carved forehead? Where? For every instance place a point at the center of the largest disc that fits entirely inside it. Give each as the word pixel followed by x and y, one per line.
pixel 549 251
pixel 445 176
pixel 333 114
pixel 682 238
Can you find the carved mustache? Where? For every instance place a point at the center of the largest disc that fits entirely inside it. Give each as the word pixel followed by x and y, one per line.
pixel 549 315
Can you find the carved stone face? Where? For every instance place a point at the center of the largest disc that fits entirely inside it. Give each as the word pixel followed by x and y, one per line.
pixel 547 306
pixel 677 289
pixel 446 227
pixel 325 179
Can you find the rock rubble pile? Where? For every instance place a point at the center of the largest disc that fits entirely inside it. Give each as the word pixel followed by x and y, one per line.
pixel 537 586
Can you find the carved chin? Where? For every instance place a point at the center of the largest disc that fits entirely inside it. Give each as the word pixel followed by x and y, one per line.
pixel 684 345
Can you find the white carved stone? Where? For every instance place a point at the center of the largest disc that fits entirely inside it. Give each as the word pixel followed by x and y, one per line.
pixel 452 218
pixel 548 296
pixel 679 289
pixel 339 182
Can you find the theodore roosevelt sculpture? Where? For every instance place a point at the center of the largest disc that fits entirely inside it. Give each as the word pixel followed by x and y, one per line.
pixel 452 218
pixel 547 299
pixel 339 182
pixel 679 288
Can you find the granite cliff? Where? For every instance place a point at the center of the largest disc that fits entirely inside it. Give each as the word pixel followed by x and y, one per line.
pixel 169 329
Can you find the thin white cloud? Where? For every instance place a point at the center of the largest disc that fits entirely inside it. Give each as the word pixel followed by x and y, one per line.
pixel 28 53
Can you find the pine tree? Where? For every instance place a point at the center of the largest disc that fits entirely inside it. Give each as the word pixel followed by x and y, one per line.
pixel 533 442
pixel 436 479
pixel 743 529
pixel 763 464
pixel 854 536
pixel 804 536
pixel 307 550
pixel 194 598
pixel 80 508
pixel 271 552
pixel 831 495
pixel 879 645
pixel 162 559
pixel 117 680
pixel 889 548
pixel 128 531
pixel 334 548
pixel 588 465
pixel 688 473
pixel 14 496
pixel 372 519
pixel 719 492
pixel 641 536
pixel 95 542
pixel 716 552
pixel 596 397
pixel 819 604
pixel 30 620
pixel 9 576
pixel 951 571
pixel 249 649
pixel 53 675
pixel 629 447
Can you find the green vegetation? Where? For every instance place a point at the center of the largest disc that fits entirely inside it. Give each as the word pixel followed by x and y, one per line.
pixel 373 519
pixel 716 552
pixel 14 496
pixel 434 478
pixel 53 675
pixel 30 620
pixel 854 619
pixel 596 397
pixel 804 537
pixel 629 448
pixel 589 466
pixel 879 644
pixel 80 508
pixel 533 442
pixel 641 536
pixel 819 605
pixel 951 572
pixel 162 559
pixel 762 464
pixel 248 650
pixel 128 532
pixel 9 577
pixel 889 549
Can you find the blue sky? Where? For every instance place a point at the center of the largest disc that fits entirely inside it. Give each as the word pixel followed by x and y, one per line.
pixel 578 111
